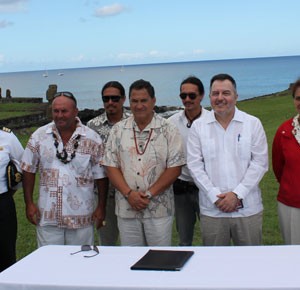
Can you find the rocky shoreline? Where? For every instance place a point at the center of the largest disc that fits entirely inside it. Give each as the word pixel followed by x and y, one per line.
pixel 42 115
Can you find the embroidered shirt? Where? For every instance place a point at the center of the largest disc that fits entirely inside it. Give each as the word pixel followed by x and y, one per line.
pixel 222 160
pixel 164 150
pixel 66 197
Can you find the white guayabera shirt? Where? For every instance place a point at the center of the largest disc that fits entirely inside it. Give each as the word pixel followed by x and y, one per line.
pixel 222 160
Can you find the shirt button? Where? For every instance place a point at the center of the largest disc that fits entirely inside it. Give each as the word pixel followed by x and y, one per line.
pixel 138 173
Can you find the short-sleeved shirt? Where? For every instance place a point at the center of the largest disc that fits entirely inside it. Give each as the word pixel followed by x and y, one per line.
pixel 66 197
pixel 142 156
pixel 102 126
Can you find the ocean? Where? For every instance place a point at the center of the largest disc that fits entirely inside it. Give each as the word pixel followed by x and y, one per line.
pixel 254 77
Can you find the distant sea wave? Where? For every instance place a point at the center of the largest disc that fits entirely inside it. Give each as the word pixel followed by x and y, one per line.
pixel 254 77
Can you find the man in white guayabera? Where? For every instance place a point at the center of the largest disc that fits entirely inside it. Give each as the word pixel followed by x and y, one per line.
pixel 227 156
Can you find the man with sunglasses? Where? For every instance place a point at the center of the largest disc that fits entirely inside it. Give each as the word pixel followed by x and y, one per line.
pixel 67 156
pixel 227 156
pixel 185 190
pixel 113 97
pixel 143 157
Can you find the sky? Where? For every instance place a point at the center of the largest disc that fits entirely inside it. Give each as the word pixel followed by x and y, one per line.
pixel 57 34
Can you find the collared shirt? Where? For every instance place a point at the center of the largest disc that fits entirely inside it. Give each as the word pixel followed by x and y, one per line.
pixel 160 147
pixel 66 197
pixel 10 148
pixel 181 121
pixel 234 159
pixel 102 126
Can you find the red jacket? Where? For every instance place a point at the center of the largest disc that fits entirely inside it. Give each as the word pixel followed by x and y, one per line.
pixel 286 164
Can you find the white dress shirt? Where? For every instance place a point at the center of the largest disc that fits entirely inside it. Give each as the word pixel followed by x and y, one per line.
pixel 181 121
pixel 222 160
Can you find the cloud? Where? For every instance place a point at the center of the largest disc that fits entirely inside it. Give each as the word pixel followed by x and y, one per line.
pixel 4 23
pixel 198 51
pixel 111 10
pixel 130 56
pixel 12 5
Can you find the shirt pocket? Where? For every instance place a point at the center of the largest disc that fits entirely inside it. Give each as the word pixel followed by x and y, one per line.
pixel 82 163
pixel 244 148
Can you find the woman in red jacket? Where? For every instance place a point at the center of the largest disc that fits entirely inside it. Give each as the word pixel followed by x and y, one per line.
pixel 286 166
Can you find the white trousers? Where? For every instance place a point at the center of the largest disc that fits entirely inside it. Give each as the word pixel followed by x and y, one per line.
pixel 289 221
pixel 146 231
pixel 52 235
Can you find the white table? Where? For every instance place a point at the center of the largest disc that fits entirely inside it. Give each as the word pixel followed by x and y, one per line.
pixel 52 267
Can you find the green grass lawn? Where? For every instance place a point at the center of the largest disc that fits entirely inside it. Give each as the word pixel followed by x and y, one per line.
pixel 10 110
pixel 271 110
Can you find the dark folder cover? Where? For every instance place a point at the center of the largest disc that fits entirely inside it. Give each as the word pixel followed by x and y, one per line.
pixel 168 260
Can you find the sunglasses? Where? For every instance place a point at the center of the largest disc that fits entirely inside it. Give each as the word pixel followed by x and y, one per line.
pixel 86 248
pixel 66 94
pixel 192 96
pixel 114 99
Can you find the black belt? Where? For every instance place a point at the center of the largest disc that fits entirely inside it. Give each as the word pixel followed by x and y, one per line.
pixel 5 194
pixel 186 184
pixel 189 183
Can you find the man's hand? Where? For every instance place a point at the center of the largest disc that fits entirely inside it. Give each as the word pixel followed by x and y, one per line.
pixel 33 213
pixel 137 200
pixel 227 202
pixel 99 217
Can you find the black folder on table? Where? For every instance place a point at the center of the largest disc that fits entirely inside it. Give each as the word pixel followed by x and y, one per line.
pixel 168 260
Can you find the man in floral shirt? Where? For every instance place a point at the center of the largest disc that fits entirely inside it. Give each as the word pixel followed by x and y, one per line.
pixel 67 156
pixel 143 157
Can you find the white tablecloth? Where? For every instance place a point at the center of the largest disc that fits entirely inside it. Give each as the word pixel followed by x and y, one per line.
pixel 52 267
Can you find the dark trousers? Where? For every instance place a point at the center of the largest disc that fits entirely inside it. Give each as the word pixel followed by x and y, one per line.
pixel 186 210
pixel 8 231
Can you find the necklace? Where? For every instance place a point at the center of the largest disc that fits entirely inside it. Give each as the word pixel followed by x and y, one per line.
pixel 63 155
pixel 135 142
pixel 190 121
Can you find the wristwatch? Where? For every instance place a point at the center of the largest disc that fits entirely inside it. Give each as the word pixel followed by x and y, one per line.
pixel 148 194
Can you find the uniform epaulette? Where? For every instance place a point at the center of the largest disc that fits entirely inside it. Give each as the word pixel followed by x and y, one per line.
pixel 5 129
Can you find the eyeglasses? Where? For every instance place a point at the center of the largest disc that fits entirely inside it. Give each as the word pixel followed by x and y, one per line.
pixel 192 96
pixel 66 94
pixel 114 99
pixel 86 248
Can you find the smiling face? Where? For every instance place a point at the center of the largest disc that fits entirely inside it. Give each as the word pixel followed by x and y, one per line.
pixel 142 105
pixel 223 98
pixel 64 112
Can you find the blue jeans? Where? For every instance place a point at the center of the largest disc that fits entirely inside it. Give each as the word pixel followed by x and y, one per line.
pixel 186 210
